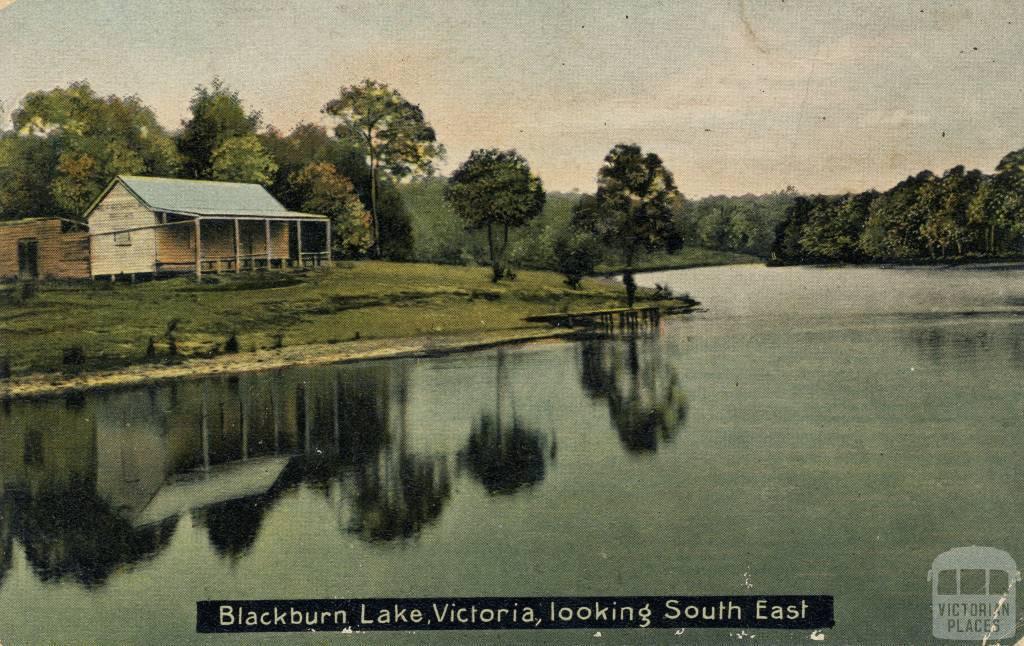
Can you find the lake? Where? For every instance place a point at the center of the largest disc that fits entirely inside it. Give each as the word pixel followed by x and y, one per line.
pixel 815 431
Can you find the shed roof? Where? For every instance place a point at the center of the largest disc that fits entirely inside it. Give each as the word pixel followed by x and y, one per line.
pixel 204 197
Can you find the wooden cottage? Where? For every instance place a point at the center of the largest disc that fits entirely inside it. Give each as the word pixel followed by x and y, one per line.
pixel 43 248
pixel 151 225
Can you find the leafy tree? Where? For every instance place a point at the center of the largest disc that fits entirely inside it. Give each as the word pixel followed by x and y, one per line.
pixel 987 213
pixel 242 159
pixel 90 140
pixel 833 230
pixel 788 248
pixel 393 134
pixel 217 115
pixel 330 193
pixel 893 227
pixel 577 254
pixel 28 167
pixel 948 220
pixel 495 188
pixel 309 143
pixel 1005 200
pixel 632 209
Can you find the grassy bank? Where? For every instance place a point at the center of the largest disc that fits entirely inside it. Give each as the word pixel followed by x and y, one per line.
pixel 685 258
pixel 111 325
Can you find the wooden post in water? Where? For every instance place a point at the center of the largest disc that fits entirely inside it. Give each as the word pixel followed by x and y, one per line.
pixel 337 414
pixel 204 429
pixel 307 421
pixel 274 401
pixel 243 421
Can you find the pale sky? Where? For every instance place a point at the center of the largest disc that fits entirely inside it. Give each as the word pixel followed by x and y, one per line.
pixel 735 96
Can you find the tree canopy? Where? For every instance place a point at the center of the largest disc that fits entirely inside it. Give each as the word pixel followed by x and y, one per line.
pixel 329 193
pixel 495 188
pixel 242 159
pixel 67 144
pixel 216 114
pixel 392 133
pixel 632 210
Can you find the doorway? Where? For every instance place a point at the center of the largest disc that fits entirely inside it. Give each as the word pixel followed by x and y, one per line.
pixel 28 259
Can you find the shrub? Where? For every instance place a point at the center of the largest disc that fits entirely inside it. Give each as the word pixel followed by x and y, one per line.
pixel 73 357
pixel 231 345
pixel 5 367
pixel 577 254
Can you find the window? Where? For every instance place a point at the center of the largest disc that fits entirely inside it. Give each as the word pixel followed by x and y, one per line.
pixel 123 239
pixel 972 581
pixel 998 582
pixel 947 582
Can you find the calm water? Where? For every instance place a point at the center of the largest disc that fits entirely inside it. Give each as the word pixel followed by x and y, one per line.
pixel 817 431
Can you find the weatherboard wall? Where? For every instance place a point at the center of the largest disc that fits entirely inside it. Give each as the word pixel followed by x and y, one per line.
pixel 61 255
pixel 131 253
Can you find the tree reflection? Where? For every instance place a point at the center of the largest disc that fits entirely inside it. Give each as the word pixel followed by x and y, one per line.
pixel 503 452
pixel 397 496
pixel 6 537
pixel 70 533
pixel 233 526
pixel 397 492
pixel 645 398
pixel 504 457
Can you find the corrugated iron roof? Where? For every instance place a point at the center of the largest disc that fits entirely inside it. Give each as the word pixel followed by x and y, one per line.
pixel 204 197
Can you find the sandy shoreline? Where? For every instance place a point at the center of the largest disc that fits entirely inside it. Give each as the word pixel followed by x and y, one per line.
pixel 39 385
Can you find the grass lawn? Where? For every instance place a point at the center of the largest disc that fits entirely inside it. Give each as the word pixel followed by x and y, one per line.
pixel 683 259
pixel 112 323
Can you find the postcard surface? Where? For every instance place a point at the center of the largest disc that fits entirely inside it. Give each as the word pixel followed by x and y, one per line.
pixel 535 322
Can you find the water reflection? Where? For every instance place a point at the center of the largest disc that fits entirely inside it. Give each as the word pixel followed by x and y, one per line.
pixel 71 533
pixel 644 394
pixel 6 536
pixel 503 452
pixel 95 485
pixel 959 344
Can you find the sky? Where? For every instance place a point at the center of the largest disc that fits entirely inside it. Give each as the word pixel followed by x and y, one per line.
pixel 736 96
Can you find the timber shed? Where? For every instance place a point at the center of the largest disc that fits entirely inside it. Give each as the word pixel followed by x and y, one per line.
pixel 33 248
pixel 152 225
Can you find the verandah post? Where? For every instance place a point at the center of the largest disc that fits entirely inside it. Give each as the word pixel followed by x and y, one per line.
pixel 266 233
pixel 199 251
pixel 298 240
pixel 327 230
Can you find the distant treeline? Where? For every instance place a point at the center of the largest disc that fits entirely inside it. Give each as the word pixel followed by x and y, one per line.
pixel 745 224
pixel 961 215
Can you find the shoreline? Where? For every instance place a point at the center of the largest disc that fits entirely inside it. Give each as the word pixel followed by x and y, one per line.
pixel 54 384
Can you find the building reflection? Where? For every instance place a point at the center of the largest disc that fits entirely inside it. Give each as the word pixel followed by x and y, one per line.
pixel 91 485
pixel 646 402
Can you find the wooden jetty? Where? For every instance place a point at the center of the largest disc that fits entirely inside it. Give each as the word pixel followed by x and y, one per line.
pixel 623 318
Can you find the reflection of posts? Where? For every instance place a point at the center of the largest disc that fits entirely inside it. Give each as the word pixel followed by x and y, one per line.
pixel 645 400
